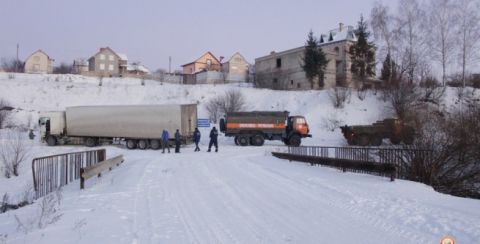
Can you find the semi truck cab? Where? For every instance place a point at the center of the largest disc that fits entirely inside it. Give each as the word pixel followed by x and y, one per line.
pixel 52 124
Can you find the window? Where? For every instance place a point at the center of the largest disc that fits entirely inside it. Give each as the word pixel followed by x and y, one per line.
pixel 291 82
pixel 275 80
pixel 110 67
pixel 102 66
pixel 279 62
pixel 110 57
pixel 298 85
pixel 102 56
pixel 337 51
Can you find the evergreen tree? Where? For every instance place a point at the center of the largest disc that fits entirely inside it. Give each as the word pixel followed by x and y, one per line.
pixel 314 60
pixel 362 53
pixel 388 70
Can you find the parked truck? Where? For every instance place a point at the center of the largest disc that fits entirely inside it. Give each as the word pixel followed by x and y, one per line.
pixel 140 126
pixel 364 135
pixel 255 127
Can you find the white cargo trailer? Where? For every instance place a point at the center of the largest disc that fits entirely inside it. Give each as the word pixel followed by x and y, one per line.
pixel 140 126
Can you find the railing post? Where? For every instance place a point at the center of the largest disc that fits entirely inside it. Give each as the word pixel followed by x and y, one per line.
pixel 82 180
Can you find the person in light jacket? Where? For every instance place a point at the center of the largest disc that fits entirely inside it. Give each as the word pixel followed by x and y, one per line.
pixel 196 139
pixel 213 139
pixel 178 141
pixel 165 137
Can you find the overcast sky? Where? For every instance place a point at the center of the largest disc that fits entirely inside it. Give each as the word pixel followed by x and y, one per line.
pixel 150 31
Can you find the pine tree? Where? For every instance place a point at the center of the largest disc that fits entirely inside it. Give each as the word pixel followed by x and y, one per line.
pixel 314 60
pixel 362 53
pixel 388 70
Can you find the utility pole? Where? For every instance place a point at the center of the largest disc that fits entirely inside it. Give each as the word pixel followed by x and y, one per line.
pixel 16 61
pixel 169 64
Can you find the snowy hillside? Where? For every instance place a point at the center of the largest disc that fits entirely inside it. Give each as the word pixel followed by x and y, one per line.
pixel 239 195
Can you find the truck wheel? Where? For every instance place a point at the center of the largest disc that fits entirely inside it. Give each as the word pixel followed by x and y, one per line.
pixel 90 142
pixel 376 140
pixel 155 144
pixel 51 141
pixel 142 144
pixel 243 141
pixel 285 141
pixel 236 140
pixel 258 140
pixel 295 141
pixel 363 140
pixel 351 141
pixel 395 140
pixel 131 144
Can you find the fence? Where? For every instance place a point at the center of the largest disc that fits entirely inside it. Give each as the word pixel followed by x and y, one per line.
pixel 53 172
pixel 371 160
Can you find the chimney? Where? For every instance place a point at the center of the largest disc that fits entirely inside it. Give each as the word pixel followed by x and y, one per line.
pixel 340 27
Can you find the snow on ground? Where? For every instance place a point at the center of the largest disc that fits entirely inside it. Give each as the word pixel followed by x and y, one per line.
pixel 239 195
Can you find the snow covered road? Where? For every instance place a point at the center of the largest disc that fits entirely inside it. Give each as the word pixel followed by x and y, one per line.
pixel 243 195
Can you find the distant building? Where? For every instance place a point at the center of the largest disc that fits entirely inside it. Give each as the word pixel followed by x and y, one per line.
pixel 39 63
pixel 80 66
pixel 108 63
pixel 236 69
pixel 136 69
pixel 283 70
pixel 207 62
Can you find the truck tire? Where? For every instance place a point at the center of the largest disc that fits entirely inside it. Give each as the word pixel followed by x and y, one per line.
pixel 243 141
pixel 235 139
pixel 363 140
pixel 155 144
pixel 258 140
pixel 295 141
pixel 51 141
pixel 376 140
pixel 90 142
pixel 131 144
pixel 285 141
pixel 142 144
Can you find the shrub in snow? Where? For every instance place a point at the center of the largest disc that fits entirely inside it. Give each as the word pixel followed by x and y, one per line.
pixel 48 212
pixel 231 101
pixel 338 96
pixel 13 152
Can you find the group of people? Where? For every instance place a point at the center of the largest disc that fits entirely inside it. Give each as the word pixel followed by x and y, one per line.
pixel 196 139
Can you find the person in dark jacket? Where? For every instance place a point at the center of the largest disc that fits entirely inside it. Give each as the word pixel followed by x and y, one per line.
pixel 196 139
pixel 165 137
pixel 178 141
pixel 213 139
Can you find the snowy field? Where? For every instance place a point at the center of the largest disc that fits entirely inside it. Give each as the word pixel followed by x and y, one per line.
pixel 238 195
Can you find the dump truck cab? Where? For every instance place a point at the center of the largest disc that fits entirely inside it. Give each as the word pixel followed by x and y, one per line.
pixel 299 125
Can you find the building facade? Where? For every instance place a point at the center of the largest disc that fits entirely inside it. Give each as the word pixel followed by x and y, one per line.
pixel 107 63
pixel 283 70
pixel 39 63
pixel 207 62
pixel 236 69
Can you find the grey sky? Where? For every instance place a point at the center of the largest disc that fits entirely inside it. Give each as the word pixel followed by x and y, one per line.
pixel 151 30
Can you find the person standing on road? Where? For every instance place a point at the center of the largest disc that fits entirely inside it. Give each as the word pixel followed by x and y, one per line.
pixel 196 139
pixel 178 140
pixel 165 137
pixel 213 139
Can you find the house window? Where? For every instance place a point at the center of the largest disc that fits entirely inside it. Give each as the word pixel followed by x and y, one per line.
pixel 298 85
pixel 279 62
pixel 102 66
pixel 110 57
pixel 102 56
pixel 110 67
pixel 337 51
pixel 275 80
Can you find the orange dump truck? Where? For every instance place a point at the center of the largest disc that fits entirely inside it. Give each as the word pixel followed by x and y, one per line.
pixel 253 128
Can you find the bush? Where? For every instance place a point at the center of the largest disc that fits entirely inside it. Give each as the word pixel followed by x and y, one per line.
pixel 13 153
pixel 5 109
pixel 338 96
pixel 231 101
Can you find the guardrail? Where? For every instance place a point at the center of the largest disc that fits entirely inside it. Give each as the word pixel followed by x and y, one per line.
pixel 97 169
pixel 53 172
pixel 390 162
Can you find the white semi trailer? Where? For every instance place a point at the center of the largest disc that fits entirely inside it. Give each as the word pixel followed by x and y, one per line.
pixel 140 126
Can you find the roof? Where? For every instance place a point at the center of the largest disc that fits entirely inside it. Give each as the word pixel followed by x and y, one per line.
pixel 235 54
pixel 120 56
pixel 137 67
pixel 196 60
pixel 41 51
pixel 342 33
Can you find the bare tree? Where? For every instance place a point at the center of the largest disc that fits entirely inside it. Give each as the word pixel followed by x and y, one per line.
pixel 231 101
pixel 63 68
pixel 12 65
pixel 411 41
pixel 338 96
pixel 403 99
pixel 442 32
pixel 213 109
pixel 13 152
pixel 468 33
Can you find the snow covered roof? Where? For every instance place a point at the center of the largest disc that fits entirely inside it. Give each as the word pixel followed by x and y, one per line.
pixel 80 61
pixel 137 67
pixel 342 33
pixel 122 56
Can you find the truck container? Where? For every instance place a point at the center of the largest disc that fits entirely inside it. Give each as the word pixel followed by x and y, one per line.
pixel 393 129
pixel 253 128
pixel 140 126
